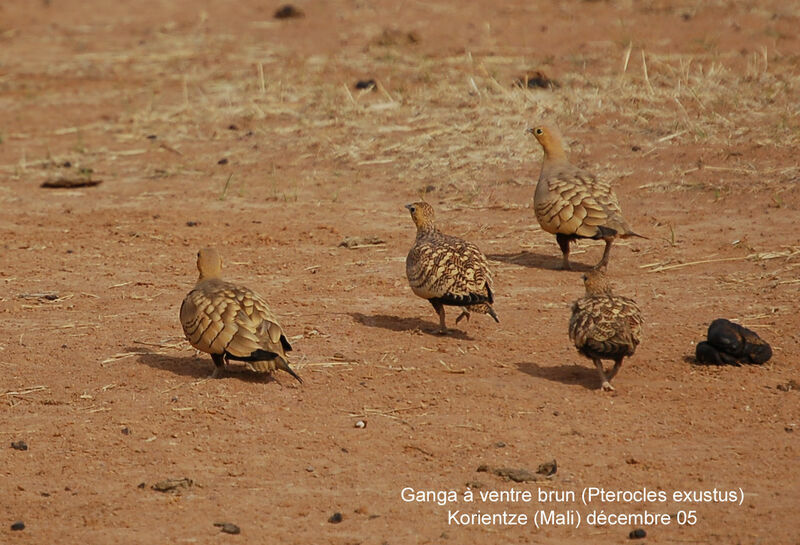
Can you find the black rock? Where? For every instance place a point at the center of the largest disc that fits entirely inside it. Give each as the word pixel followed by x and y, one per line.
pixel 17 526
pixel 367 84
pixel 19 445
pixel 638 533
pixel 335 518
pixel 289 12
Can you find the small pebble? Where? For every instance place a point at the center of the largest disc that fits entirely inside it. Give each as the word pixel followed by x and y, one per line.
pixel 223 161
pixel 366 84
pixel 192 223
pixel 637 534
pixel 289 12
pixel 126 431
pixel 228 528
pixel 335 518
pixel 17 526
pixel 310 469
pixel 19 445
pixel 361 424
pixel 500 444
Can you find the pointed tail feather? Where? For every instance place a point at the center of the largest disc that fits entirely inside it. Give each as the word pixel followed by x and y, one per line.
pixel 283 364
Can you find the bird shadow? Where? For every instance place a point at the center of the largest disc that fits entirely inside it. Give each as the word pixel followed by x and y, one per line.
pixel 396 323
pixel 538 261
pixel 566 374
pixel 196 367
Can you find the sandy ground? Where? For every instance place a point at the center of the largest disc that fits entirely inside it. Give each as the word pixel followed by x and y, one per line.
pixel 214 123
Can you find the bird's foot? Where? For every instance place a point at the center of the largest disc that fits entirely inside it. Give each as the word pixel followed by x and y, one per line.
pixel 607 387
pixel 215 372
pixel 463 315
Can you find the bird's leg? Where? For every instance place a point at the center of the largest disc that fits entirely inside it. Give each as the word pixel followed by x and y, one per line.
pixel 563 243
pixel 604 260
pixel 439 308
pixel 606 384
pixel 613 372
pixel 219 363
pixel 464 314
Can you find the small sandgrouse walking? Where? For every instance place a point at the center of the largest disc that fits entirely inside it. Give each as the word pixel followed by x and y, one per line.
pixel 232 322
pixel 447 270
pixel 572 203
pixel 605 326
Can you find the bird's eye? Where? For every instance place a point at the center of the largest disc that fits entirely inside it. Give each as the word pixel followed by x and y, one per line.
pixel 413 209
pixel 539 131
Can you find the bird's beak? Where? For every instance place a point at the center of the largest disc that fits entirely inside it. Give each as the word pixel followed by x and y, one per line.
pixel 408 206
pixel 529 130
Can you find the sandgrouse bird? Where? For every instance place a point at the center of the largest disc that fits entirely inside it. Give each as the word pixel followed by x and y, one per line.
pixel 232 322
pixel 447 270
pixel 605 326
pixel 572 203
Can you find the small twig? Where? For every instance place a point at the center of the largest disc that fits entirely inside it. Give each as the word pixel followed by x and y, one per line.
pixel 646 77
pixel 29 390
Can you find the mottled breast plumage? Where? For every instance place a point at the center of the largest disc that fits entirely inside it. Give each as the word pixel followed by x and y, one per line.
pixel 440 266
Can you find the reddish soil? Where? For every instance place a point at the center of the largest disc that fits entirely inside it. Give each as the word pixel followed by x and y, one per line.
pixel 110 399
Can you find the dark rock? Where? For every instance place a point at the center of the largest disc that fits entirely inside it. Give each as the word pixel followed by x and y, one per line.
pixel 223 161
pixel 17 526
pixel 367 84
pixel 228 528
pixel 638 533
pixel 288 11
pixel 173 485
pixel 548 468
pixel 335 518
pixel 536 79
pixel 19 445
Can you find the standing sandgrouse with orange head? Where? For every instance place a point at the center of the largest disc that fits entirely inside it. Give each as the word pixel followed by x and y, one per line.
pixel 572 203
pixel 605 326
pixel 447 270
pixel 232 322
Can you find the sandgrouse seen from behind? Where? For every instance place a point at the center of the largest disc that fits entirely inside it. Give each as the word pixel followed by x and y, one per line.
pixel 447 270
pixel 572 203
pixel 605 326
pixel 232 322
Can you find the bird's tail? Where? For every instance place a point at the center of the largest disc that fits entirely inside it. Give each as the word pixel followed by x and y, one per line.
pixel 283 364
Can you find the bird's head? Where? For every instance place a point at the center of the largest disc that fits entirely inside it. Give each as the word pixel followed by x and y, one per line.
pixel 422 214
pixel 550 139
pixel 596 282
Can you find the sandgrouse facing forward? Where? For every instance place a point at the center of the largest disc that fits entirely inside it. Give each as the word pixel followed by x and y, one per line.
pixel 572 203
pixel 605 326
pixel 447 270
pixel 232 322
